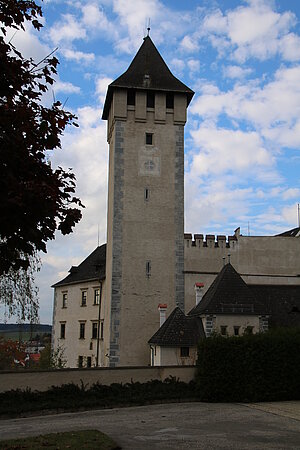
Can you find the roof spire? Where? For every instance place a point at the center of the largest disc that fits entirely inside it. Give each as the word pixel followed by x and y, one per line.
pixel 148 28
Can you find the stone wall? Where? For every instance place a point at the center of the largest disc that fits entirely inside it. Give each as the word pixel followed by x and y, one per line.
pixel 43 380
pixel 265 260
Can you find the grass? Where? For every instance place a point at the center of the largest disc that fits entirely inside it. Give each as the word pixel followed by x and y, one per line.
pixel 75 440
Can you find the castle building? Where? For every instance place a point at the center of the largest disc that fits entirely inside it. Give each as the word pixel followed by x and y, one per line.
pixel 106 309
pixel 145 109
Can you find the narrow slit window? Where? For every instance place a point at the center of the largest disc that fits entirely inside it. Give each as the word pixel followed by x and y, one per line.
pixel 150 99
pixel 131 97
pixel 170 101
pixel 147 194
pixel 148 269
pixel 149 138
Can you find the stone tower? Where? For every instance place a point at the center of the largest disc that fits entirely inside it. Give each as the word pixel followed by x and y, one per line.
pixel 146 113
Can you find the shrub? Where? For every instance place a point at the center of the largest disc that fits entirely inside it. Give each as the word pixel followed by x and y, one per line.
pixel 260 367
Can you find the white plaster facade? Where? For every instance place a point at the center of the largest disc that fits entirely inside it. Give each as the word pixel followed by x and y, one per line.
pixel 78 309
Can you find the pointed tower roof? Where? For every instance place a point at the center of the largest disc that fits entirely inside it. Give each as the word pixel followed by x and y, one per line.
pixel 147 71
pixel 179 330
pixel 229 294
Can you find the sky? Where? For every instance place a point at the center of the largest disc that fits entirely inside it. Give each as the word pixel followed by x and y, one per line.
pixel 242 137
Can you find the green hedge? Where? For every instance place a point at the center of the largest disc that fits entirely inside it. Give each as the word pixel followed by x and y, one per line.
pixel 72 397
pixel 261 367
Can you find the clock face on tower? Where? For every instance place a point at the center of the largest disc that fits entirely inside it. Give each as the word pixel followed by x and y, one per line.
pixel 149 162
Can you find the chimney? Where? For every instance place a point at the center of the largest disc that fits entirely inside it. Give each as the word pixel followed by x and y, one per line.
pixel 162 308
pixel 199 292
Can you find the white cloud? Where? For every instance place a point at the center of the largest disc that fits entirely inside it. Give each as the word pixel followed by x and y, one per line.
pixel 188 44
pixel 291 193
pixel 236 72
pixel 255 30
pixel 273 109
pixel 66 87
pixel 101 87
pixel 290 47
pixel 193 65
pixel 95 19
pixel 67 29
pixel 78 56
pixel 221 151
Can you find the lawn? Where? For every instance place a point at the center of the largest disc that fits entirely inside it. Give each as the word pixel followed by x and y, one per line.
pixel 75 440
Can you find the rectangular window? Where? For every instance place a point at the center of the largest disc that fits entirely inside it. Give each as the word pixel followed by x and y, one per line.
pixel 80 361
pixel 150 99
pixel 236 331
pixel 64 300
pixel 94 330
pixel 149 138
pixel 62 331
pixel 184 352
pixel 148 268
pixel 170 100
pixel 81 330
pixel 89 361
pixel 101 329
pixel 131 97
pixel 96 296
pixel 146 194
pixel 83 298
pixel 223 330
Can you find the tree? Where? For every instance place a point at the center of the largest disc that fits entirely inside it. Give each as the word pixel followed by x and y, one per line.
pixel 52 359
pixel 36 200
pixel 10 351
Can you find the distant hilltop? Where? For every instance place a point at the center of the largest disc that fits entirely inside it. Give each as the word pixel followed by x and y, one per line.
pixel 25 327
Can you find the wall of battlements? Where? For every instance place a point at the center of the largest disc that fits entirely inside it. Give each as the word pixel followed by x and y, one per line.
pixel 258 259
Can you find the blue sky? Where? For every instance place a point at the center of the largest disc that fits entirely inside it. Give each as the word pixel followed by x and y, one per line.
pixel 242 139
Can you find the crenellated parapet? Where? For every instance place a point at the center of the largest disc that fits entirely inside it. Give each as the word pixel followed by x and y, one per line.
pixel 209 241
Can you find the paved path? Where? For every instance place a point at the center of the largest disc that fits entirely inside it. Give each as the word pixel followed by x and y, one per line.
pixel 206 426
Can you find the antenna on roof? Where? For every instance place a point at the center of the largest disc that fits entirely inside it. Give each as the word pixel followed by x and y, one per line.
pixel 148 28
pixel 98 234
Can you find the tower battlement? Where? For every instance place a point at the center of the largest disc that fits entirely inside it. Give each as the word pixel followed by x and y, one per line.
pixel 209 241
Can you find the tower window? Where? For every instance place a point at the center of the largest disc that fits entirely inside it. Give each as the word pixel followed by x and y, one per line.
pixel 62 331
pixel 97 296
pixel 81 330
pixel 131 97
pixel 148 268
pixel 223 330
pixel 146 194
pixel 83 298
pixel 149 138
pixel 94 330
pixel 236 330
pixel 184 352
pixel 64 299
pixel 150 99
pixel 170 101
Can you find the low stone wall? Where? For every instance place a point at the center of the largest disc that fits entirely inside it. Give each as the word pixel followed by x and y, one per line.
pixel 43 380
